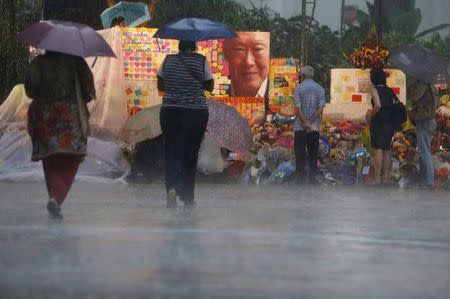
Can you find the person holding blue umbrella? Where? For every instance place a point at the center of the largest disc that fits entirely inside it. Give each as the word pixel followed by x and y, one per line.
pixel 118 21
pixel 124 13
pixel 184 113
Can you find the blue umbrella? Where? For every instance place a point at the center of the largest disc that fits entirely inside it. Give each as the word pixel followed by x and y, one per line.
pixel 134 13
pixel 195 29
pixel 421 63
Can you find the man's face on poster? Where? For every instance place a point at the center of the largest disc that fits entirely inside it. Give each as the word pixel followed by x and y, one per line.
pixel 249 58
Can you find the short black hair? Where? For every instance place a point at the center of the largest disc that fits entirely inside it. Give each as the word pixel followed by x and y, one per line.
pixel 184 46
pixel 378 76
pixel 116 21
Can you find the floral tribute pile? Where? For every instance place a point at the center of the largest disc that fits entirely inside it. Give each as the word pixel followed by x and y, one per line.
pixel 371 54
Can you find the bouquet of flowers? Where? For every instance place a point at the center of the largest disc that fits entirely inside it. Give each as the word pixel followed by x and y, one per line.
pixel 371 54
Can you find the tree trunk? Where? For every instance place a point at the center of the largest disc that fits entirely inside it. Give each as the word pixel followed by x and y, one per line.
pixel 379 18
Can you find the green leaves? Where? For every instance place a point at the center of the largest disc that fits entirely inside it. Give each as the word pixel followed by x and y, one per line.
pixel 400 19
pixel 407 22
pixel 439 44
pixel 14 56
pixel 433 29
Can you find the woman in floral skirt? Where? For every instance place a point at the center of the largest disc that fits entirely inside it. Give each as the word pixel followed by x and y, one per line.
pixel 60 86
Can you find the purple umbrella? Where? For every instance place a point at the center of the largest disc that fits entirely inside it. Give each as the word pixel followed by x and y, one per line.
pixel 229 128
pixel 65 37
pixel 421 63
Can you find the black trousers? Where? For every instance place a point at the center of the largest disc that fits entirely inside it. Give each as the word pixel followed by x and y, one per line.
pixel 183 131
pixel 303 141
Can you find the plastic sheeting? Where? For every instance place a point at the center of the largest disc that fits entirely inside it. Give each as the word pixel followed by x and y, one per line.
pixel 104 162
pixel 109 110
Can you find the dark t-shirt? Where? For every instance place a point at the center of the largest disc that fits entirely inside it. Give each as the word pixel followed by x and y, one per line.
pixel 386 94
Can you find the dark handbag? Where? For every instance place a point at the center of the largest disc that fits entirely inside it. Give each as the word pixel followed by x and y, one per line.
pixel 399 114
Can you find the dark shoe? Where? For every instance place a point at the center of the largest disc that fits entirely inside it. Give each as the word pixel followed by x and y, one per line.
pixel 54 209
pixel 171 202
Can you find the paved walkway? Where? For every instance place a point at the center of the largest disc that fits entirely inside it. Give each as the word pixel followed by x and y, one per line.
pixel 240 242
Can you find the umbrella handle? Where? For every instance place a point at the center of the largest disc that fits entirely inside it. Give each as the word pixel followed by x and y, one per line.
pixel 95 60
pixel 42 9
pixel 159 46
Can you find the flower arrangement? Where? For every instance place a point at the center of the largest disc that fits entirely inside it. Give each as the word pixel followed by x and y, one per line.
pixel 371 54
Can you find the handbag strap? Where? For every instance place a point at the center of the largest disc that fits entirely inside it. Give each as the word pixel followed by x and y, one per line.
pixel 83 112
pixel 396 99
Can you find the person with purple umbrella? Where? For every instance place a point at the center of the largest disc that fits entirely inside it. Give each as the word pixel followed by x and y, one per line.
pixel 57 129
pixel 60 83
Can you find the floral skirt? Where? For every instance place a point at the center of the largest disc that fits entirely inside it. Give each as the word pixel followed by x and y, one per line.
pixel 55 128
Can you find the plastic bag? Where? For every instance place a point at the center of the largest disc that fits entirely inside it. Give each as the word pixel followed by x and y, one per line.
pixel 283 172
pixel 209 157
pixel 324 147
pixel 284 120
pixel 358 153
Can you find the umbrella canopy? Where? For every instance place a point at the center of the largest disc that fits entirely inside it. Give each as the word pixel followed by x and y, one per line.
pixel 229 128
pixel 421 63
pixel 141 126
pixel 225 125
pixel 65 37
pixel 134 13
pixel 195 29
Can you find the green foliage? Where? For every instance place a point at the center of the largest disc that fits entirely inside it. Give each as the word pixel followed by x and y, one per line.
pixel 395 38
pixel 86 12
pixel 439 44
pixel 16 14
pixel 400 23
pixel 323 53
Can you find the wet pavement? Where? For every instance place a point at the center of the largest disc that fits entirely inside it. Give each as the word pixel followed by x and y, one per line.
pixel 118 241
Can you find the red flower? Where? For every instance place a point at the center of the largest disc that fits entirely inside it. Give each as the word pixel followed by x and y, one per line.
pixel 65 139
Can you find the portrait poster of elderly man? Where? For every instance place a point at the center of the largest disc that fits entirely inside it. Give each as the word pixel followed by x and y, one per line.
pixel 248 57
